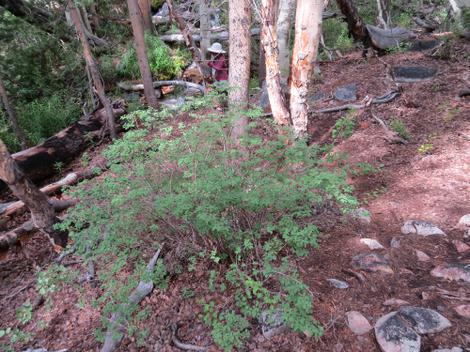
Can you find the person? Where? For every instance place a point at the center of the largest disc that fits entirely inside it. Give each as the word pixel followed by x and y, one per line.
pixel 218 62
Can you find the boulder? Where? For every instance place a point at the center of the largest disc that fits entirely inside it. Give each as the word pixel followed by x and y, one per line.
pixel 394 334
pixel 272 323
pixel 422 257
pixel 412 74
pixel 362 215
pixel 464 222
pixel 371 243
pixel 338 284
pixel 372 262
pixel 423 320
pixel 347 93
pixel 463 310
pixel 421 228
pixel 388 38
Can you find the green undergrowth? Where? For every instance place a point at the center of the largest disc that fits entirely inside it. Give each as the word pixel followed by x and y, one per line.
pixel 246 213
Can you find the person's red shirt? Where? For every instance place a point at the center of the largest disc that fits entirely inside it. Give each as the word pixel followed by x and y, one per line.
pixel 220 65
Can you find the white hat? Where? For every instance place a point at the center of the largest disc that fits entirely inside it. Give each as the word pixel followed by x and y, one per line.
pixel 216 48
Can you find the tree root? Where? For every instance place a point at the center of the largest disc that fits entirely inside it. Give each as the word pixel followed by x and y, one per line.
pixel 115 333
pixel 182 345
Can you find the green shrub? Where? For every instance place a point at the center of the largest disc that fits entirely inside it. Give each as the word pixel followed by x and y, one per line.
pixel 335 33
pixel 249 211
pixel 345 126
pixel 399 127
pixel 164 63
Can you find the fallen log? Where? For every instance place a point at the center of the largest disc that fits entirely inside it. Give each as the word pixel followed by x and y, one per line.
pixel 114 334
pixel 8 209
pixel 221 36
pixel 379 100
pixel 138 87
pixel 39 162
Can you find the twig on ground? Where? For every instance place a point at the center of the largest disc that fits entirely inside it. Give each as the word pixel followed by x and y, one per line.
pixel 379 100
pixel 184 346
pixel 115 333
pixel 390 135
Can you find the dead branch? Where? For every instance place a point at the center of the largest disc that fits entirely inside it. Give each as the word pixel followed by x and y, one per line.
pixel 221 36
pixel 138 87
pixel 379 100
pixel 8 209
pixel 115 333
pixel 390 135
pixel 184 346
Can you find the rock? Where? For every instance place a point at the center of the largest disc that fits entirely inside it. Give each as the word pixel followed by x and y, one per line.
pixel 423 320
pixel 372 262
pixel 362 215
pixel 394 334
pixel 395 242
pixel 421 228
pixel 467 235
pixel 395 302
pixel 422 257
pixel 411 74
pixel 173 103
pixel 452 272
pixel 371 243
pixel 272 323
pixel 423 45
pixel 318 96
pixel 460 246
pixel 338 284
pixel 464 221
pixel 463 310
pixel 388 38
pixel 346 93
pixel 358 323
pixel 453 349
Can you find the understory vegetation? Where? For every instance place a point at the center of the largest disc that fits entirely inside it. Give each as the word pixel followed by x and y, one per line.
pixel 244 214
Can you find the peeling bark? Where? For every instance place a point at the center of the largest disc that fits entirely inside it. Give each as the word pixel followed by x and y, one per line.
pixel 308 21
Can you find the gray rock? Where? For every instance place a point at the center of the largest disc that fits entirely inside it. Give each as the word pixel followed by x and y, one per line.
pixel 423 320
pixel 372 262
pixel 358 323
pixel 394 334
pixel 453 272
pixel 395 242
pixel 423 45
pixel 464 221
pixel 173 103
pixel 412 74
pixel 346 93
pixel 362 215
pixel 460 246
pixel 453 349
pixel 272 323
pixel 338 284
pixel 421 228
pixel 388 38
pixel 371 243
pixel 318 96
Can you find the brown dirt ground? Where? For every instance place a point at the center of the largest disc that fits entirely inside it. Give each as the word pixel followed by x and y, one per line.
pixel 433 186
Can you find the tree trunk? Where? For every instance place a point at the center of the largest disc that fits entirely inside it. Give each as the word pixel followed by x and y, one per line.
pixel 239 66
pixel 308 21
pixel 356 25
pixel 42 213
pixel 383 13
pixel 273 77
pixel 204 26
pixel 145 11
pixel 94 15
pixel 284 24
pixel 91 64
pixel 11 113
pixel 139 41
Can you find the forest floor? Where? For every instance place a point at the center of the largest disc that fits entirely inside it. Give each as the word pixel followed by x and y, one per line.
pixel 427 178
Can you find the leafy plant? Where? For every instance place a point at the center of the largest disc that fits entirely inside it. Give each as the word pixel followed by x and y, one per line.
pixel 365 168
pixel 344 127
pixel 399 127
pixel 25 313
pixel 425 148
pixel 249 209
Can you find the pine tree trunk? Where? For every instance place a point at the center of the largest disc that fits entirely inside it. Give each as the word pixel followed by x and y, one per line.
pixel 11 113
pixel 308 21
pixel 204 26
pixel 91 64
pixel 239 67
pixel 42 213
pixel 146 13
pixel 273 78
pixel 356 26
pixel 284 24
pixel 139 42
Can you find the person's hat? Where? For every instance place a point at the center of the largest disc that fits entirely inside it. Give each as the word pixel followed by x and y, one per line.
pixel 216 48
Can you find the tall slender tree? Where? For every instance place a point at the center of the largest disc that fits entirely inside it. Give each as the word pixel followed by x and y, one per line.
pixel 308 21
pixel 140 48
pixel 284 26
pixel 204 26
pixel 239 68
pixel 12 117
pixel 42 213
pixel 91 64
